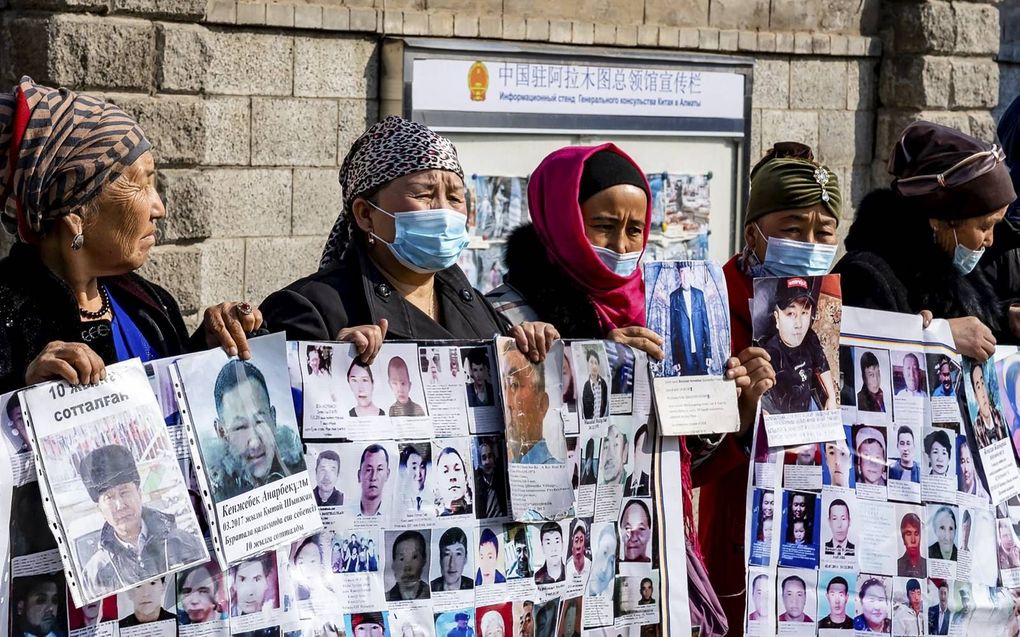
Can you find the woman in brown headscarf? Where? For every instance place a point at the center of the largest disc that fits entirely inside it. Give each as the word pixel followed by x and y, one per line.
pixel 77 184
pixel 915 248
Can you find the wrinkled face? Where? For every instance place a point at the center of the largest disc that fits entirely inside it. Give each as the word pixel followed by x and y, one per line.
pixel 636 532
pixel 974 233
pixel 768 500
pixel 400 383
pixel 38 611
pixel 872 457
pixel 526 404
pixel 121 507
pixel 248 424
pixel 452 562
pixel 198 595
pixel 614 218
pixel 452 476
pixel 837 599
pixel 793 322
pixel 905 445
pixel 361 385
pixel 408 562
pixel 911 540
pixel 813 224
pixel 250 585
pixel 147 599
pixel 487 557
pixel 326 473
pixel 945 531
pixel 939 459
pixel 794 598
pixel 799 532
pixel 839 522
pixel 837 459
pixel 798 505
pixel 911 373
pixel 118 239
pixel 966 466
pixel 612 456
pixel 875 605
pixel 368 629
pixel 521 549
pixel 372 475
pixel 552 547
pixel 873 378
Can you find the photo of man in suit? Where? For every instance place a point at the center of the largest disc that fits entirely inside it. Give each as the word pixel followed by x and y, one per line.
pixel 839 523
pixel 939 615
pixel 595 396
pixel 690 336
pixel 479 390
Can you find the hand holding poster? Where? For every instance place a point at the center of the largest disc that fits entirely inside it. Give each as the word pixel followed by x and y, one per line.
pixel 116 496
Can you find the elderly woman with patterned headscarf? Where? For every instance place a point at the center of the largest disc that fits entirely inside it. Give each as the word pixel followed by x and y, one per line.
pixel 390 263
pixel 915 248
pixel 77 184
pixel 793 210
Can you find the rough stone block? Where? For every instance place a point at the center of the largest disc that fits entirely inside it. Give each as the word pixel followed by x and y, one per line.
pixel 179 270
pixel 844 137
pixel 920 27
pixel 739 14
pixel 748 41
pixel 669 37
pixel 560 31
pixel 858 184
pixel 228 136
pixel 771 83
pixel 755 149
pixel 609 11
pixel 647 35
pixel 355 116
pixel 802 43
pixel 175 125
pixel 766 42
pixel 676 13
pixel 795 15
pixel 729 40
pixel 316 201
pixel 87 52
pixel 253 13
pixel 850 17
pixel 839 45
pixel 583 32
pixel 861 83
pixel 821 44
pixel 784 43
pixel 393 21
pixel 335 66
pixel 515 28
pixel 977 28
pixel 477 7
pixel 308 17
pixel 708 39
pixel 982 125
pixel 222 12
pixel 363 19
pixel 194 59
pixel 915 82
pixel 465 26
pixel 92 6
pixel 975 83
pixel 690 38
pixel 490 26
pixel 605 33
pixel 818 84
pixel 783 126
pixel 272 263
pixel 24 50
pixel 162 8
pixel 626 35
pixel 441 24
pixel 222 264
pixel 857 46
pixel 537 29
pixel 336 18
pixel 293 132
pixel 227 202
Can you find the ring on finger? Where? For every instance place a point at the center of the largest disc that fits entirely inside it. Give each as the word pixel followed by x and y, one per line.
pixel 244 308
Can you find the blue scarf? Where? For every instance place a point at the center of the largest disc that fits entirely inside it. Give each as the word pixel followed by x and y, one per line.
pixel 128 340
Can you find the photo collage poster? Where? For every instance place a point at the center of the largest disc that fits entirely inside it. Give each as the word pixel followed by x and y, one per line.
pixel 885 526
pixel 687 304
pixel 681 207
pixel 461 564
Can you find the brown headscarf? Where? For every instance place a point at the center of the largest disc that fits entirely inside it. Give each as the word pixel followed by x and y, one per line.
pixel 58 149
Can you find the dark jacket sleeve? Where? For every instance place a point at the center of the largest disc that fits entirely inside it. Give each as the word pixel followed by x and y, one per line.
pixel 312 312
pixel 867 281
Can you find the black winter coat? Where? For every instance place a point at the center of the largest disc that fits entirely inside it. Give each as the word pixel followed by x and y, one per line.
pixel 37 307
pixel 354 292
pixel 892 263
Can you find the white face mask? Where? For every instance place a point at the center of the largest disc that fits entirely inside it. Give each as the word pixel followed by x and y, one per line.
pixel 621 264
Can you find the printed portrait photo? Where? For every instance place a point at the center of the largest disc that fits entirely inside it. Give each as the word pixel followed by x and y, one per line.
pixel 390 386
pixel 568 376
pixel 501 204
pixel 910 375
pixel 407 397
pixel 839 530
pixel 636 531
pixel 482 383
pixel 874 383
pixel 321 382
pixel 802 467
pixel 458 623
pixel 149 603
pixel 983 405
pixel 638 482
pixel 796 595
pixel 1007 545
pixel 569 624
pixel 871 471
pixel 687 305
pixel 497 620
pixel 550 548
pixel 546 614
pixel 356 551
pixel 490 469
pixel 836 600
pixel 452 560
pixel 202 595
pixel 37 605
pixel 13 423
pixel 368 480
pixel 1009 379
pixel 794 321
pixel 627 596
pixel 911 561
pixel 759 601
pixel 415 477
pixel 615 455
pixel 453 482
pixel 370 624
pixel 441 366
pixel 903 447
pixel 591 448
pixel 604 543
pixel 838 468
pixel 579 551
pixel 908 604
pixel 943 375
pixel 968 477
pixel 762 525
pixel 412 621
pixel 310 569
pixel 491 558
pixel 518 552
pixel 621 374
pixel 91 615
pixel 801 520
pixel 940 614
pixel 874 593
pixel 942 532
pixel 524 618
pixel 254 586
pixel 324 463
pixel 847 378
pixel 407 555
pixel 591 368
pixel 938 452
pixel 532 400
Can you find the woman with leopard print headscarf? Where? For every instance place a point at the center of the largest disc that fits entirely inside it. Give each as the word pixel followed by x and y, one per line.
pixel 389 265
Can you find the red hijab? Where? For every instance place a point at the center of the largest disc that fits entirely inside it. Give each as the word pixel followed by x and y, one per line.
pixel 552 200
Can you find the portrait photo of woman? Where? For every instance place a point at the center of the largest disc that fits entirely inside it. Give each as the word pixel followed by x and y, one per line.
pixel 362 382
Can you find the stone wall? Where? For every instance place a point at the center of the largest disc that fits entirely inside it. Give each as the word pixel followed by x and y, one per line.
pixel 252 106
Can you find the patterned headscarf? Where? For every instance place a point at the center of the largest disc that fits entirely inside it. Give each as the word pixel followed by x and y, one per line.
pixel 390 149
pixel 57 150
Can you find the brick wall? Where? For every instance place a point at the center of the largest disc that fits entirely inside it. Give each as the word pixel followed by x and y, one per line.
pixel 251 106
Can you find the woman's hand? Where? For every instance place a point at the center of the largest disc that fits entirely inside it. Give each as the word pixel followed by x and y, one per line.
pixel 367 339
pixel 76 363
pixel 640 338
pixel 227 324
pixel 534 338
pixel 751 369
pixel 972 338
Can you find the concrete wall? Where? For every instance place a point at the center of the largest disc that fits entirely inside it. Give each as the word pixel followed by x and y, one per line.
pixel 252 106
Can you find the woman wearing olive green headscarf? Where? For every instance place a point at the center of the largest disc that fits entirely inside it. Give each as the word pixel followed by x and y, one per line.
pixel 793 209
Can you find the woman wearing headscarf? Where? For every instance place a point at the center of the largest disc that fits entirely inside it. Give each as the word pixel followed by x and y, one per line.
pixel 576 266
pixel 77 185
pixel 790 225
pixel 915 248
pixel 389 265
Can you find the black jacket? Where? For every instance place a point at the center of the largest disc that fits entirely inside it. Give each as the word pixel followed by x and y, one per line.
pixel 550 291
pixel 354 292
pixel 892 263
pixel 37 307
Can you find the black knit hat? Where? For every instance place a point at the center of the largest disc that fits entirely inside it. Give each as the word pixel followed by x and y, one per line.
pixel 929 175
pixel 606 169
pixel 107 467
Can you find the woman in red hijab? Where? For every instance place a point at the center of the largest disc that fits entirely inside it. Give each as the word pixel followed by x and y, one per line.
pixel 576 266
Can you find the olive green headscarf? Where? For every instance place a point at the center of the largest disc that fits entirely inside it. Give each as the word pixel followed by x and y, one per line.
pixel 784 183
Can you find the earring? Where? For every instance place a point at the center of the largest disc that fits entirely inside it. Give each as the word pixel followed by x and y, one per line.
pixel 371 240
pixel 77 242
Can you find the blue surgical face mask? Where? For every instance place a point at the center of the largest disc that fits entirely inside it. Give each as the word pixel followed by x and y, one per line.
pixel 786 257
pixel 427 241
pixel 621 264
pixel 965 259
